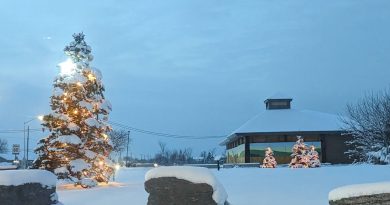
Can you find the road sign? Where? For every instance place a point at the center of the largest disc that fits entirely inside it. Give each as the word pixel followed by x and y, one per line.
pixel 16 149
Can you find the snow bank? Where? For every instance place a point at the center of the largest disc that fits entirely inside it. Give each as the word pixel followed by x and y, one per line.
pixel 193 174
pixel 20 177
pixel 7 165
pixel 359 190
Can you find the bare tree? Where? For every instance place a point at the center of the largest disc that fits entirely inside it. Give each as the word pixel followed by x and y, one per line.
pixel 119 140
pixel 163 147
pixel 163 156
pixel 187 155
pixel 175 156
pixel 368 121
pixel 3 146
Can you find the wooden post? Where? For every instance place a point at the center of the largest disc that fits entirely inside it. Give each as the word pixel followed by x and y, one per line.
pixel 247 150
pixel 323 147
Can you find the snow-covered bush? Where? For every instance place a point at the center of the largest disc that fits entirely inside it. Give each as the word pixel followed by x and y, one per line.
pixel 368 122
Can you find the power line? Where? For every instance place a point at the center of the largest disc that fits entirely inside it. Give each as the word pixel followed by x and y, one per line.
pixel 16 131
pixel 160 134
pixel 123 126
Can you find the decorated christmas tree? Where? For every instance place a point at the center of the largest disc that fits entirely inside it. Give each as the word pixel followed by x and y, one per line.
pixel 269 160
pixel 300 158
pixel 314 159
pixel 77 147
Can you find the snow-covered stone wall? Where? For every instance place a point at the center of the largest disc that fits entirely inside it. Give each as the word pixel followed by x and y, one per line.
pixel 184 185
pixel 32 187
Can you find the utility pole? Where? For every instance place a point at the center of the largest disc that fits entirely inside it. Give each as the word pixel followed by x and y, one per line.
pixel 127 150
pixel 24 146
pixel 28 139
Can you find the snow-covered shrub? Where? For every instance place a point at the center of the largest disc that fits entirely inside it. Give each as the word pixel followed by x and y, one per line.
pixel 368 122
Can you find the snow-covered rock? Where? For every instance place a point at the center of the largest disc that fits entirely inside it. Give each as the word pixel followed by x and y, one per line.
pixel 28 187
pixel 196 175
pixel 358 190
pixel 19 177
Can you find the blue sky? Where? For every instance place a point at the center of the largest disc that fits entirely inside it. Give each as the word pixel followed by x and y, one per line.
pixel 195 67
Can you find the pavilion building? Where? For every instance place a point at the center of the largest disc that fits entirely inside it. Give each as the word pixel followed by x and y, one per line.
pixel 278 127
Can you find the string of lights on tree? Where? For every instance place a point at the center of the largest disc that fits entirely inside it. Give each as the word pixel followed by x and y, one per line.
pixel 78 147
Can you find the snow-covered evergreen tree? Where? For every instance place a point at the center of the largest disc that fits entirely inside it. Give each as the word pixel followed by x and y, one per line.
pixel 269 160
pixel 77 147
pixel 300 159
pixel 313 157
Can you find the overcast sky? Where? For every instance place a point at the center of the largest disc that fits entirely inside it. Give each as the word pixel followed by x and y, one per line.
pixel 195 67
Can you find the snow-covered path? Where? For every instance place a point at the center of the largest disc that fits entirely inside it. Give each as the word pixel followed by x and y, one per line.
pixel 243 185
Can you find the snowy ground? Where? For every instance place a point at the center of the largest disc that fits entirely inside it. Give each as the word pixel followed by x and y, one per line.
pixel 243 185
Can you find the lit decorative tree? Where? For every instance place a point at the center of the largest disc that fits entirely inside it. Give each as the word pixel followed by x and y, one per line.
pixel 300 159
pixel 77 147
pixel 269 160
pixel 314 159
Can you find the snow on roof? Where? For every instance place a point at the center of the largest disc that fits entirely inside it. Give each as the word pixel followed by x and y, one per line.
pixel 19 177
pixel 287 120
pixel 359 190
pixel 290 120
pixel 279 95
pixel 192 174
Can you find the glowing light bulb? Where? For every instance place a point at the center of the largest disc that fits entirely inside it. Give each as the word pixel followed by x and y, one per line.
pixel 40 117
pixel 75 112
pixel 101 163
pixel 79 84
pixel 91 77
pixel 67 67
pixel 117 166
